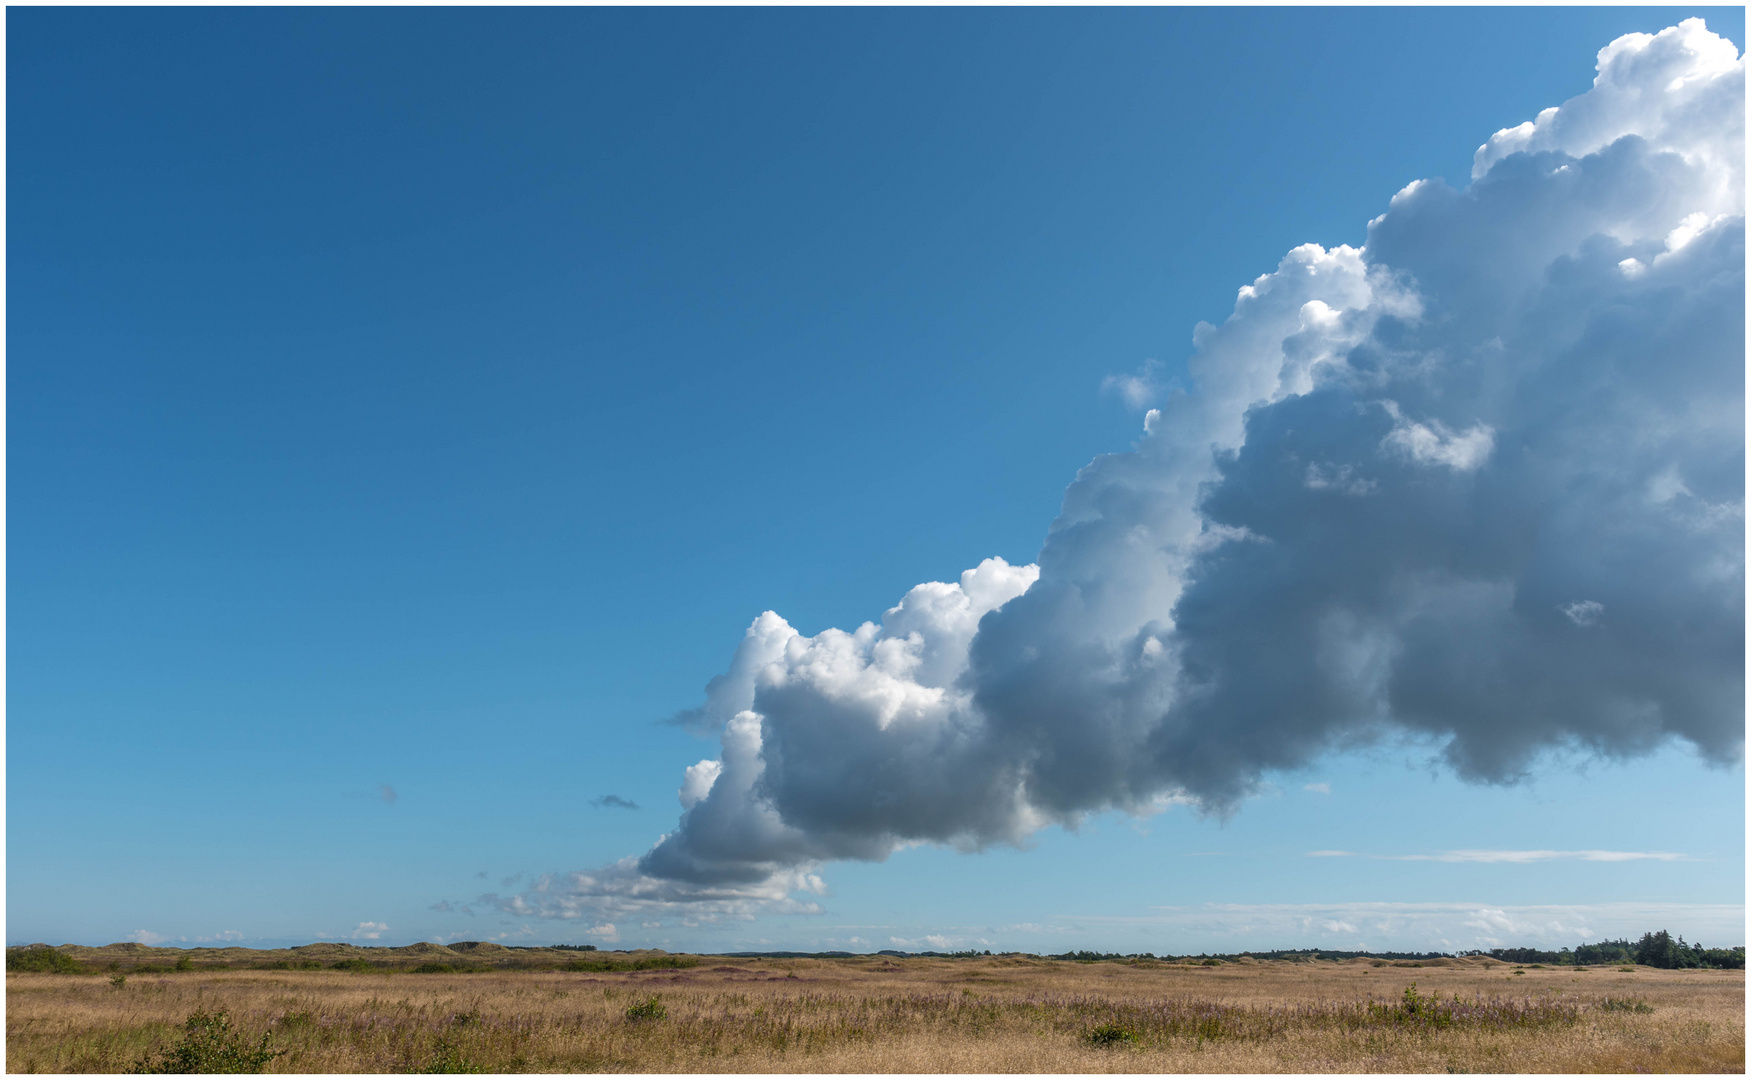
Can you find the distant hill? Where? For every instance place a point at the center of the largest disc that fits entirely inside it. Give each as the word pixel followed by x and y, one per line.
pixel 129 956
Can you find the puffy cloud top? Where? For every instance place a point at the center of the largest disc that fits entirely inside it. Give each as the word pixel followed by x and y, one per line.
pixel 1481 481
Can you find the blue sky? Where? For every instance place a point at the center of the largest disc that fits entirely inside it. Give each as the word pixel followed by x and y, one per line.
pixel 409 411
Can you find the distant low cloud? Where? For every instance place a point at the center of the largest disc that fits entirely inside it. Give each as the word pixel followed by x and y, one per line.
pixel 614 802
pixel 1443 925
pixel 1490 856
pixel 368 931
pixel 937 942
pixel 1478 483
pixel 147 937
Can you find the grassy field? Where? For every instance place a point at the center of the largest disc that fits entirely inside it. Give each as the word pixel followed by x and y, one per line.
pixel 878 1014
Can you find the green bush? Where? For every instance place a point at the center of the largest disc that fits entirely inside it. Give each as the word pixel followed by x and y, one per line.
pixel 185 963
pixel 1415 1004
pixel 354 963
pixel 210 1046
pixel 53 961
pixel 118 980
pixel 1111 1034
pixel 651 1009
pixel 1628 1005
pixel 435 969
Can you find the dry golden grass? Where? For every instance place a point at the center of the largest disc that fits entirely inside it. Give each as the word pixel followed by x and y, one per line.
pixel 877 1014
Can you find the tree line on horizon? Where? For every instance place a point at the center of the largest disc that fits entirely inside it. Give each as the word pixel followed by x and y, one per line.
pixel 1657 949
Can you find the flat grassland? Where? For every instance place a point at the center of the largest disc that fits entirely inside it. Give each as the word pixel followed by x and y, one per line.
pixel 884 1014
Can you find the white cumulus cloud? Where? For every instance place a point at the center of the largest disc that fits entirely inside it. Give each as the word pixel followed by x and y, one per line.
pixel 1397 479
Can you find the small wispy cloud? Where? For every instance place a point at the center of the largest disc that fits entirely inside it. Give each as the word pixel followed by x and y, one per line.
pixel 1321 788
pixel 614 802
pixel 1139 389
pixel 1473 855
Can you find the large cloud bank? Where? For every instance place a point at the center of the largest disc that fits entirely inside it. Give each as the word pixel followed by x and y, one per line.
pixel 1480 481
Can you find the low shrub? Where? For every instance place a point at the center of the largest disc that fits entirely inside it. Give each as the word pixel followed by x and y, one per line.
pixel 1628 1005
pixel 354 963
pixel 650 1009
pixel 643 963
pixel 1415 1004
pixel 210 1046
pixel 44 959
pixel 1111 1034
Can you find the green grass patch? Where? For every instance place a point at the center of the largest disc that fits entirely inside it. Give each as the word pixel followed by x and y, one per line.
pixel 447 1057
